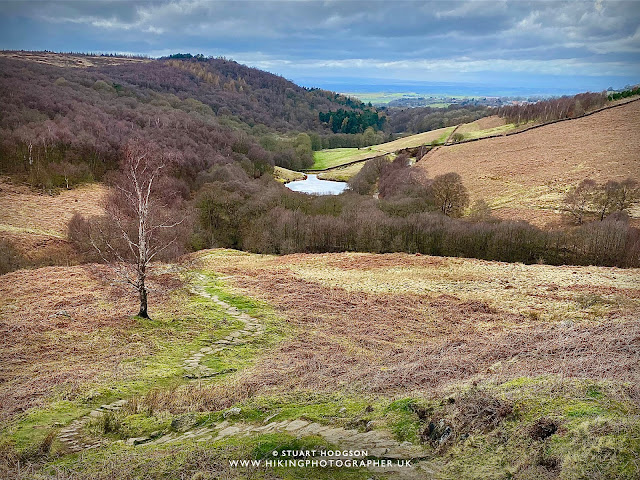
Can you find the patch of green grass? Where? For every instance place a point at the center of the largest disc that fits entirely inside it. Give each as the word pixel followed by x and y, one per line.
pixel 597 434
pixel 279 443
pixel 172 338
pixel 339 156
pixel 334 409
pixel 341 174
pixel 194 461
pixel 434 100
pixel 122 424
pixel 34 426
pixel 489 131
pixel 400 417
pixel 442 138
pixel 402 420
pixel 284 175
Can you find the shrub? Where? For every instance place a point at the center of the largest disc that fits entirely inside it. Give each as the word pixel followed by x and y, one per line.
pixel 10 258
pixel 457 137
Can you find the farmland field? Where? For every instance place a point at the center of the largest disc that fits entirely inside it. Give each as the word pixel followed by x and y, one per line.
pixel 383 98
pixel 485 127
pixel 336 157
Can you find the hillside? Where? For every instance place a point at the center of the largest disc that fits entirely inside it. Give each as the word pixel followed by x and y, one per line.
pixel 251 353
pixel 65 117
pixel 227 87
pixel 526 175
pixel 35 225
pixel 337 157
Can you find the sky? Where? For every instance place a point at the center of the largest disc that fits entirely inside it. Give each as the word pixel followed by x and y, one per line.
pixel 354 45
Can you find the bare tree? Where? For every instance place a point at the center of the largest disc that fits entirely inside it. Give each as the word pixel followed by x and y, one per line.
pixel 579 201
pixel 627 193
pixel 142 209
pixel 601 200
pixel 449 194
pixel 606 198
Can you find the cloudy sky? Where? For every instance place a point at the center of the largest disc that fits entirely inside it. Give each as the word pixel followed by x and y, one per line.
pixel 530 44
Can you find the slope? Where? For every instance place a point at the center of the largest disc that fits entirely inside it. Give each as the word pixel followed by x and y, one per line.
pixel 392 344
pixel 526 175
pixel 64 117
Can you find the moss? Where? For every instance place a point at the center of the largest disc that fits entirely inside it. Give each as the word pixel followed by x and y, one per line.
pixel 334 409
pixel 172 338
pixel 122 425
pixel 597 434
pixel 194 461
pixel 35 425
pixel 400 417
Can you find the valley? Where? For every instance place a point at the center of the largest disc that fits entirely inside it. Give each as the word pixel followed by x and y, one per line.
pixel 446 314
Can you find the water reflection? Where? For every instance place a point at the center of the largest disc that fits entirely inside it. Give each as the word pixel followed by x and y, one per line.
pixel 314 186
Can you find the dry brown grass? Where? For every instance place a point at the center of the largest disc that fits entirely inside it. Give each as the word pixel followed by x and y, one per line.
pixel 367 336
pixel 484 123
pixel 414 140
pixel 36 223
pixel 526 175
pixel 62 326
pixel 25 210
pixel 69 60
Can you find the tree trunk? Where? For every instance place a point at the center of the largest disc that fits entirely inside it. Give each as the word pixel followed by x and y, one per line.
pixel 143 302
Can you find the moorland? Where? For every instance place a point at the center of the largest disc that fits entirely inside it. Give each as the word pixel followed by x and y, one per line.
pixel 469 304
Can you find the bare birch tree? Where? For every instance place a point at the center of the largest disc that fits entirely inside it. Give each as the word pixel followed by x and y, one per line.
pixel 141 217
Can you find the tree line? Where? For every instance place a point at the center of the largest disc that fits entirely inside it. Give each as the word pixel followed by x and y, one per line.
pixel 267 218
pixel 554 108
pixel 626 93
pixel 424 119
pixel 349 121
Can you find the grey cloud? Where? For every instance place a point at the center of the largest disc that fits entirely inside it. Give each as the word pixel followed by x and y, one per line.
pixel 465 34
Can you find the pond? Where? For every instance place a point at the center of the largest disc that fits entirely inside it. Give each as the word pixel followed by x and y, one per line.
pixel 314 186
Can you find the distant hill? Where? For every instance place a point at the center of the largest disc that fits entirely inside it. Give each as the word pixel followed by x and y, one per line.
pixel 66 116
pixel 526 175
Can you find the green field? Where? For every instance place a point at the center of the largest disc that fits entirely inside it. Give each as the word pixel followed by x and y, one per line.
pixel 438 136
pixel 384 98
pixel 490 131
pixel 335 157
pixel 341 174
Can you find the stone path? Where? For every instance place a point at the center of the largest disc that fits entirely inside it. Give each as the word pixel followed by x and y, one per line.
pixel 378 443
pixel 71 436
pixel 252 328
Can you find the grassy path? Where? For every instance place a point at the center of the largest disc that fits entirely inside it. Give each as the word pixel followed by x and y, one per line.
pixel 72 435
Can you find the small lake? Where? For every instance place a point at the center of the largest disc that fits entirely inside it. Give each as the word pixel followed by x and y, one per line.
pixel 314 186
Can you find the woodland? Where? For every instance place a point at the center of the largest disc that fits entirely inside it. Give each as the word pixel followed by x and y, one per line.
pixel 225 126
